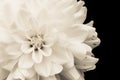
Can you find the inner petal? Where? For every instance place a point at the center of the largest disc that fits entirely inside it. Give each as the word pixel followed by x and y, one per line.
pixel 47 51
pixel 37 55
pixel 27 48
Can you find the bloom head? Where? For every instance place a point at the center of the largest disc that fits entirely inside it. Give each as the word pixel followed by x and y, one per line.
pixel 40 39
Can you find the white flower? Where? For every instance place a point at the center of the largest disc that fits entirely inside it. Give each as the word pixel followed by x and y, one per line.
pixel 45 40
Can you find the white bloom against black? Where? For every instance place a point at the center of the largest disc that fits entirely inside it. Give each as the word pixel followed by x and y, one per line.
pixel 45 40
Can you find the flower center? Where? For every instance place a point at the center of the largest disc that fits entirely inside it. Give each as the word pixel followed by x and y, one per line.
pixel 37 41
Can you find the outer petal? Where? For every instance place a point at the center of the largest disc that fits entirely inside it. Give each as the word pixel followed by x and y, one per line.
pixel 25 61
pixel 87 63
pixel 93 42
pixel 37 56
pixel 76 33
pixel 44 68
pixel 72 74
pixel 10 65
pixel 79 50
pixel 5 36
pixel 81 15
pixel 24 20
pixel 13 50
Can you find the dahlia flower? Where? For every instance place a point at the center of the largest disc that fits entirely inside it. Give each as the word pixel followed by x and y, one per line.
pixel 45 40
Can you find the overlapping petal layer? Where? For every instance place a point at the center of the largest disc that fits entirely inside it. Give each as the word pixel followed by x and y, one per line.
pixel 45 40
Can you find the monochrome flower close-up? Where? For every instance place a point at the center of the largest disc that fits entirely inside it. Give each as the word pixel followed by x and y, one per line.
pixel 46 40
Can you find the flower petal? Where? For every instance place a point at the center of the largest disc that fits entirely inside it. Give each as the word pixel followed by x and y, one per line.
pixel 35 77
pixel 24 21
pixel 18 75
pixel 76 33
pixel 3 74
pixel 5 37
pixel 88 63
pixel 26 48
pixel 79 50
pixel 15 75
pixel 44 68
pixel 10 65
pixel 60 55
pixel 47 51
pixel 27 73
pixel 25 61
pixel 81 15
pixel 49 78
pixel 71 74
pixel 37 56
pixel 56 68
pixel 13 50
pixel 49 41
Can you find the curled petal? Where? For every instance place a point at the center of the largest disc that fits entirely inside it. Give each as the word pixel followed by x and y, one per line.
pixel 72 74
pixel 93 43
pixel 79 50
pixel 87 64
pixel 81 15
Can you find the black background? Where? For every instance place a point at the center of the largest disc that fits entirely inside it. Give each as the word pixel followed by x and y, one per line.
pixel 103 13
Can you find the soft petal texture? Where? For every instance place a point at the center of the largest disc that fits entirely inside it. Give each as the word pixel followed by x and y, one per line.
pixel 15 75
pixel 49 78
pixel 37 56
pixel 24 20
pixel 12 52
pixel 93 42
pixel 26 48
pixel 35 77
pixel 27 73
pixel 79 50
pixel 60 55
pixel 56 68
pixel 81 15
pixel 47 51
pixel 5 36
pixel 44 68
pixel 3 74
pixel 87 63
pixel 67 46
pixel 25 61
pixel 10 65
pixel 76 33
pixel 71 74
